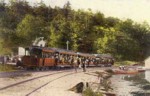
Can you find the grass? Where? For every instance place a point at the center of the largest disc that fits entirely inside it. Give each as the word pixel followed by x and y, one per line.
pixel 90 92
pixel 7 68
pixel 119 63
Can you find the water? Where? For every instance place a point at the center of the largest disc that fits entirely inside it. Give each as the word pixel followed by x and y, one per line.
pixel 132 85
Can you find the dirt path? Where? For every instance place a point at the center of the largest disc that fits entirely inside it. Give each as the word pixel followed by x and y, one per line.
pixel 48 83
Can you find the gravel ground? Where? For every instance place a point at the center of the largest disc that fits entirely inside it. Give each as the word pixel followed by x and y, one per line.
pixel 47 83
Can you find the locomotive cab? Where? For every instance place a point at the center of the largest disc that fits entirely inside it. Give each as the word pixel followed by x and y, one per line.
pixel 30 59
pixel 38 57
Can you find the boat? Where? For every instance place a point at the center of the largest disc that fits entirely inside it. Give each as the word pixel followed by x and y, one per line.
pixel 141 70
pixel 126 71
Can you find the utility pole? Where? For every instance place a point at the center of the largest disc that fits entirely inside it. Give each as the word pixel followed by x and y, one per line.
pixel 67 45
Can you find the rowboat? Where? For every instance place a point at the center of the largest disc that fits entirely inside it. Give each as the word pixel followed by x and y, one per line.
pixel 126 71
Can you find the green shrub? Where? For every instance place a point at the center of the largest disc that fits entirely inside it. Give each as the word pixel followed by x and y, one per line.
pixel 5 68
pixel 90 92
pixel 125 63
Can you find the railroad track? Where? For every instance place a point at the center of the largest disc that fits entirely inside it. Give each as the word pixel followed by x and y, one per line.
pixel 28 81
pixel 48 83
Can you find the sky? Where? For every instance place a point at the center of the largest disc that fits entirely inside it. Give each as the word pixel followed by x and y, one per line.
pixel 137 10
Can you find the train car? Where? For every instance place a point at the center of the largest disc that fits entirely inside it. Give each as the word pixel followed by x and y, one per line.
pixel 88 58
pixel 104 60
pixel 65 57
pixel 39 58
pixel 44 57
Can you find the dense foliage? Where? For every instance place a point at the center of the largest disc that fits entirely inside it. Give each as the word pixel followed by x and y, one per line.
pixel 21 23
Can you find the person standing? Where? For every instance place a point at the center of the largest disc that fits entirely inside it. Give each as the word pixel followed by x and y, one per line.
pixel 75 63
pixel 83 64
pixel 56 60
pixel 79 62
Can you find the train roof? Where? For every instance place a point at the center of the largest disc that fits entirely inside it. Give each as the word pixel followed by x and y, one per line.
pixel 49 49
pixel 64 51
pixel 45 49
pixel 86 55
pixel 69 52
pixel 104 55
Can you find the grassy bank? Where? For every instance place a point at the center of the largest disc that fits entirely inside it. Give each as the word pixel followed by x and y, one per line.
pixel 120 63
pixel 7 68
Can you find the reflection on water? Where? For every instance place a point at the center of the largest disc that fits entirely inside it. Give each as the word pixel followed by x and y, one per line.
pixel 132 85
pixel 140 80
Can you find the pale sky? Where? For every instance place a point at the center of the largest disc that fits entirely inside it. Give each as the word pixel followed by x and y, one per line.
pixel 137 10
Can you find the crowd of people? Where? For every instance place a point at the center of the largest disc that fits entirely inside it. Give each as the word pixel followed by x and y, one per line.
pixel 75 61
pixel 80 61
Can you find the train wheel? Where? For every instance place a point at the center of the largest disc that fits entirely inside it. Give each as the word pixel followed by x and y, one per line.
pixel 37 69
pixel 46 68
pixel 96 64
pixel 105 65
pixel 27 68
pixel 109 65
pixel 88 65
pixel 42 68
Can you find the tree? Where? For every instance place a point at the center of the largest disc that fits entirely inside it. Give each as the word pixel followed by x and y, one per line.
pixel 84 20
pixel 63 30
pixel 98 19
pixel 105 40
pixel 4 50
pixel 111 21
pixel 29 29
pixel 41 10
pixel 16 12
pixel 67 10
pixel 56 30
pixel 138 34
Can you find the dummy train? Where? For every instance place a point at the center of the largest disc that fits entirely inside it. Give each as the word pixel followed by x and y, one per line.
pixel 45 57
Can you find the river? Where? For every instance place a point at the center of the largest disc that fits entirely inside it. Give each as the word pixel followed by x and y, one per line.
pixel 132 85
